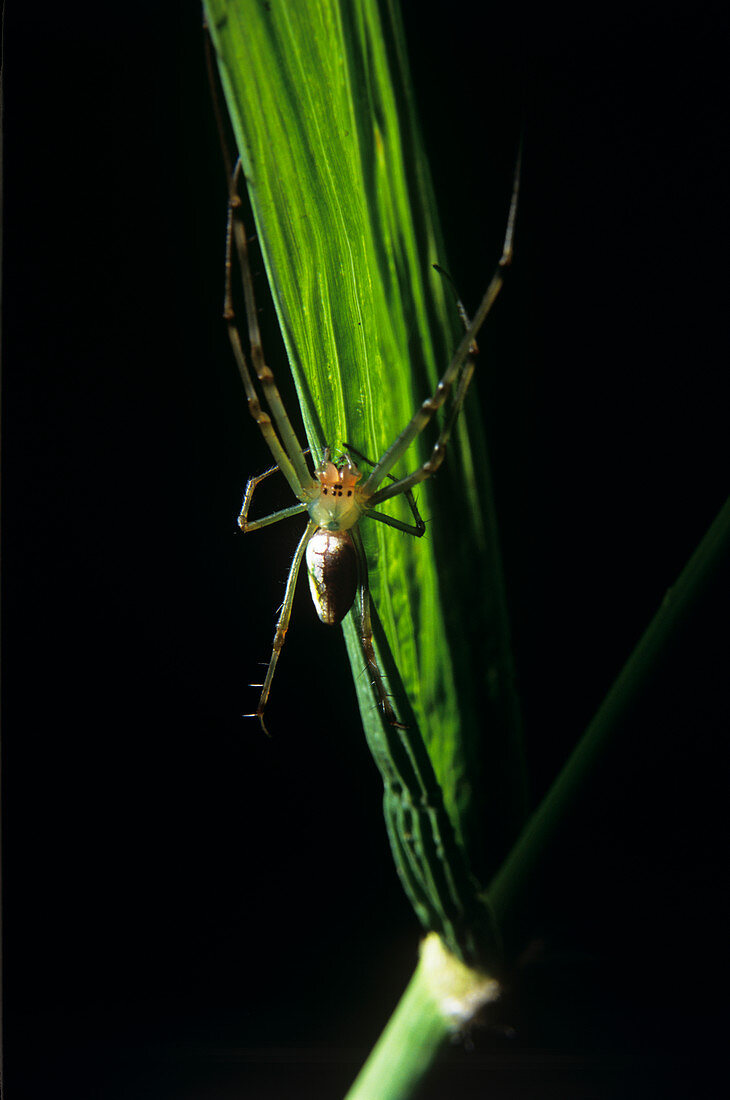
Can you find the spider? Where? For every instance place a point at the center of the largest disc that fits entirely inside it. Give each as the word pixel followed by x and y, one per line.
pixel 336 496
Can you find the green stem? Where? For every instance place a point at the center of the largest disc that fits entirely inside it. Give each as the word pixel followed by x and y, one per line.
pixel 404 1052
pixel 509 891
pixel 441 996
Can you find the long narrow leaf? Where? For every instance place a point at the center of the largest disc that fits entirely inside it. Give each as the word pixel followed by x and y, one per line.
pixel 319 99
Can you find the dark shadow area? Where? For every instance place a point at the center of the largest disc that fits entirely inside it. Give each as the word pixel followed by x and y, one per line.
pixel 191 909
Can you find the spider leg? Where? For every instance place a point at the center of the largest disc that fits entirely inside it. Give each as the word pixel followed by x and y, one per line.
pixel 366 636
pixel 432 404
pixel 293 468
pixel 282 624
pixel 247 524
pixel 284 446
pixel 418 528
pixel 406 484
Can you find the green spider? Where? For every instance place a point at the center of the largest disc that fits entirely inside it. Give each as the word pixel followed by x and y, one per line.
pixel 335 496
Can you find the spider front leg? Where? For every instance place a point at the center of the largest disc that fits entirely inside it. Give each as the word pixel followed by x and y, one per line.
pixel 406 484
pixel 459 370
pixel 282 440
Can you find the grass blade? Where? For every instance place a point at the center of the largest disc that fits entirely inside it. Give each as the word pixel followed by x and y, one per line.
pixel 322 111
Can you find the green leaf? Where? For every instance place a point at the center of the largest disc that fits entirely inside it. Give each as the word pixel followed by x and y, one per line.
pixel 320 102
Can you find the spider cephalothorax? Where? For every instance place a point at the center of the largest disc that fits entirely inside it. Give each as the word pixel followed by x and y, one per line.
pixel 339 502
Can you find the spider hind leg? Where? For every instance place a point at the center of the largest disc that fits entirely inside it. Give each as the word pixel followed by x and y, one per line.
pixel 282 624
pixel 365 628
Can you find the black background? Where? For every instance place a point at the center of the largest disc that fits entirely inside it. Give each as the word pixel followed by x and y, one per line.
pixel 192 910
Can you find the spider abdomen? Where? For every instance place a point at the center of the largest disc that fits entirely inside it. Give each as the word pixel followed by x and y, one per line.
pixel 333 574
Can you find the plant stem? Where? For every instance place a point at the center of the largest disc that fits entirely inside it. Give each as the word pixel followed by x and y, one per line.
pixel 406 1049
pixel 441 996
pixel 508 891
